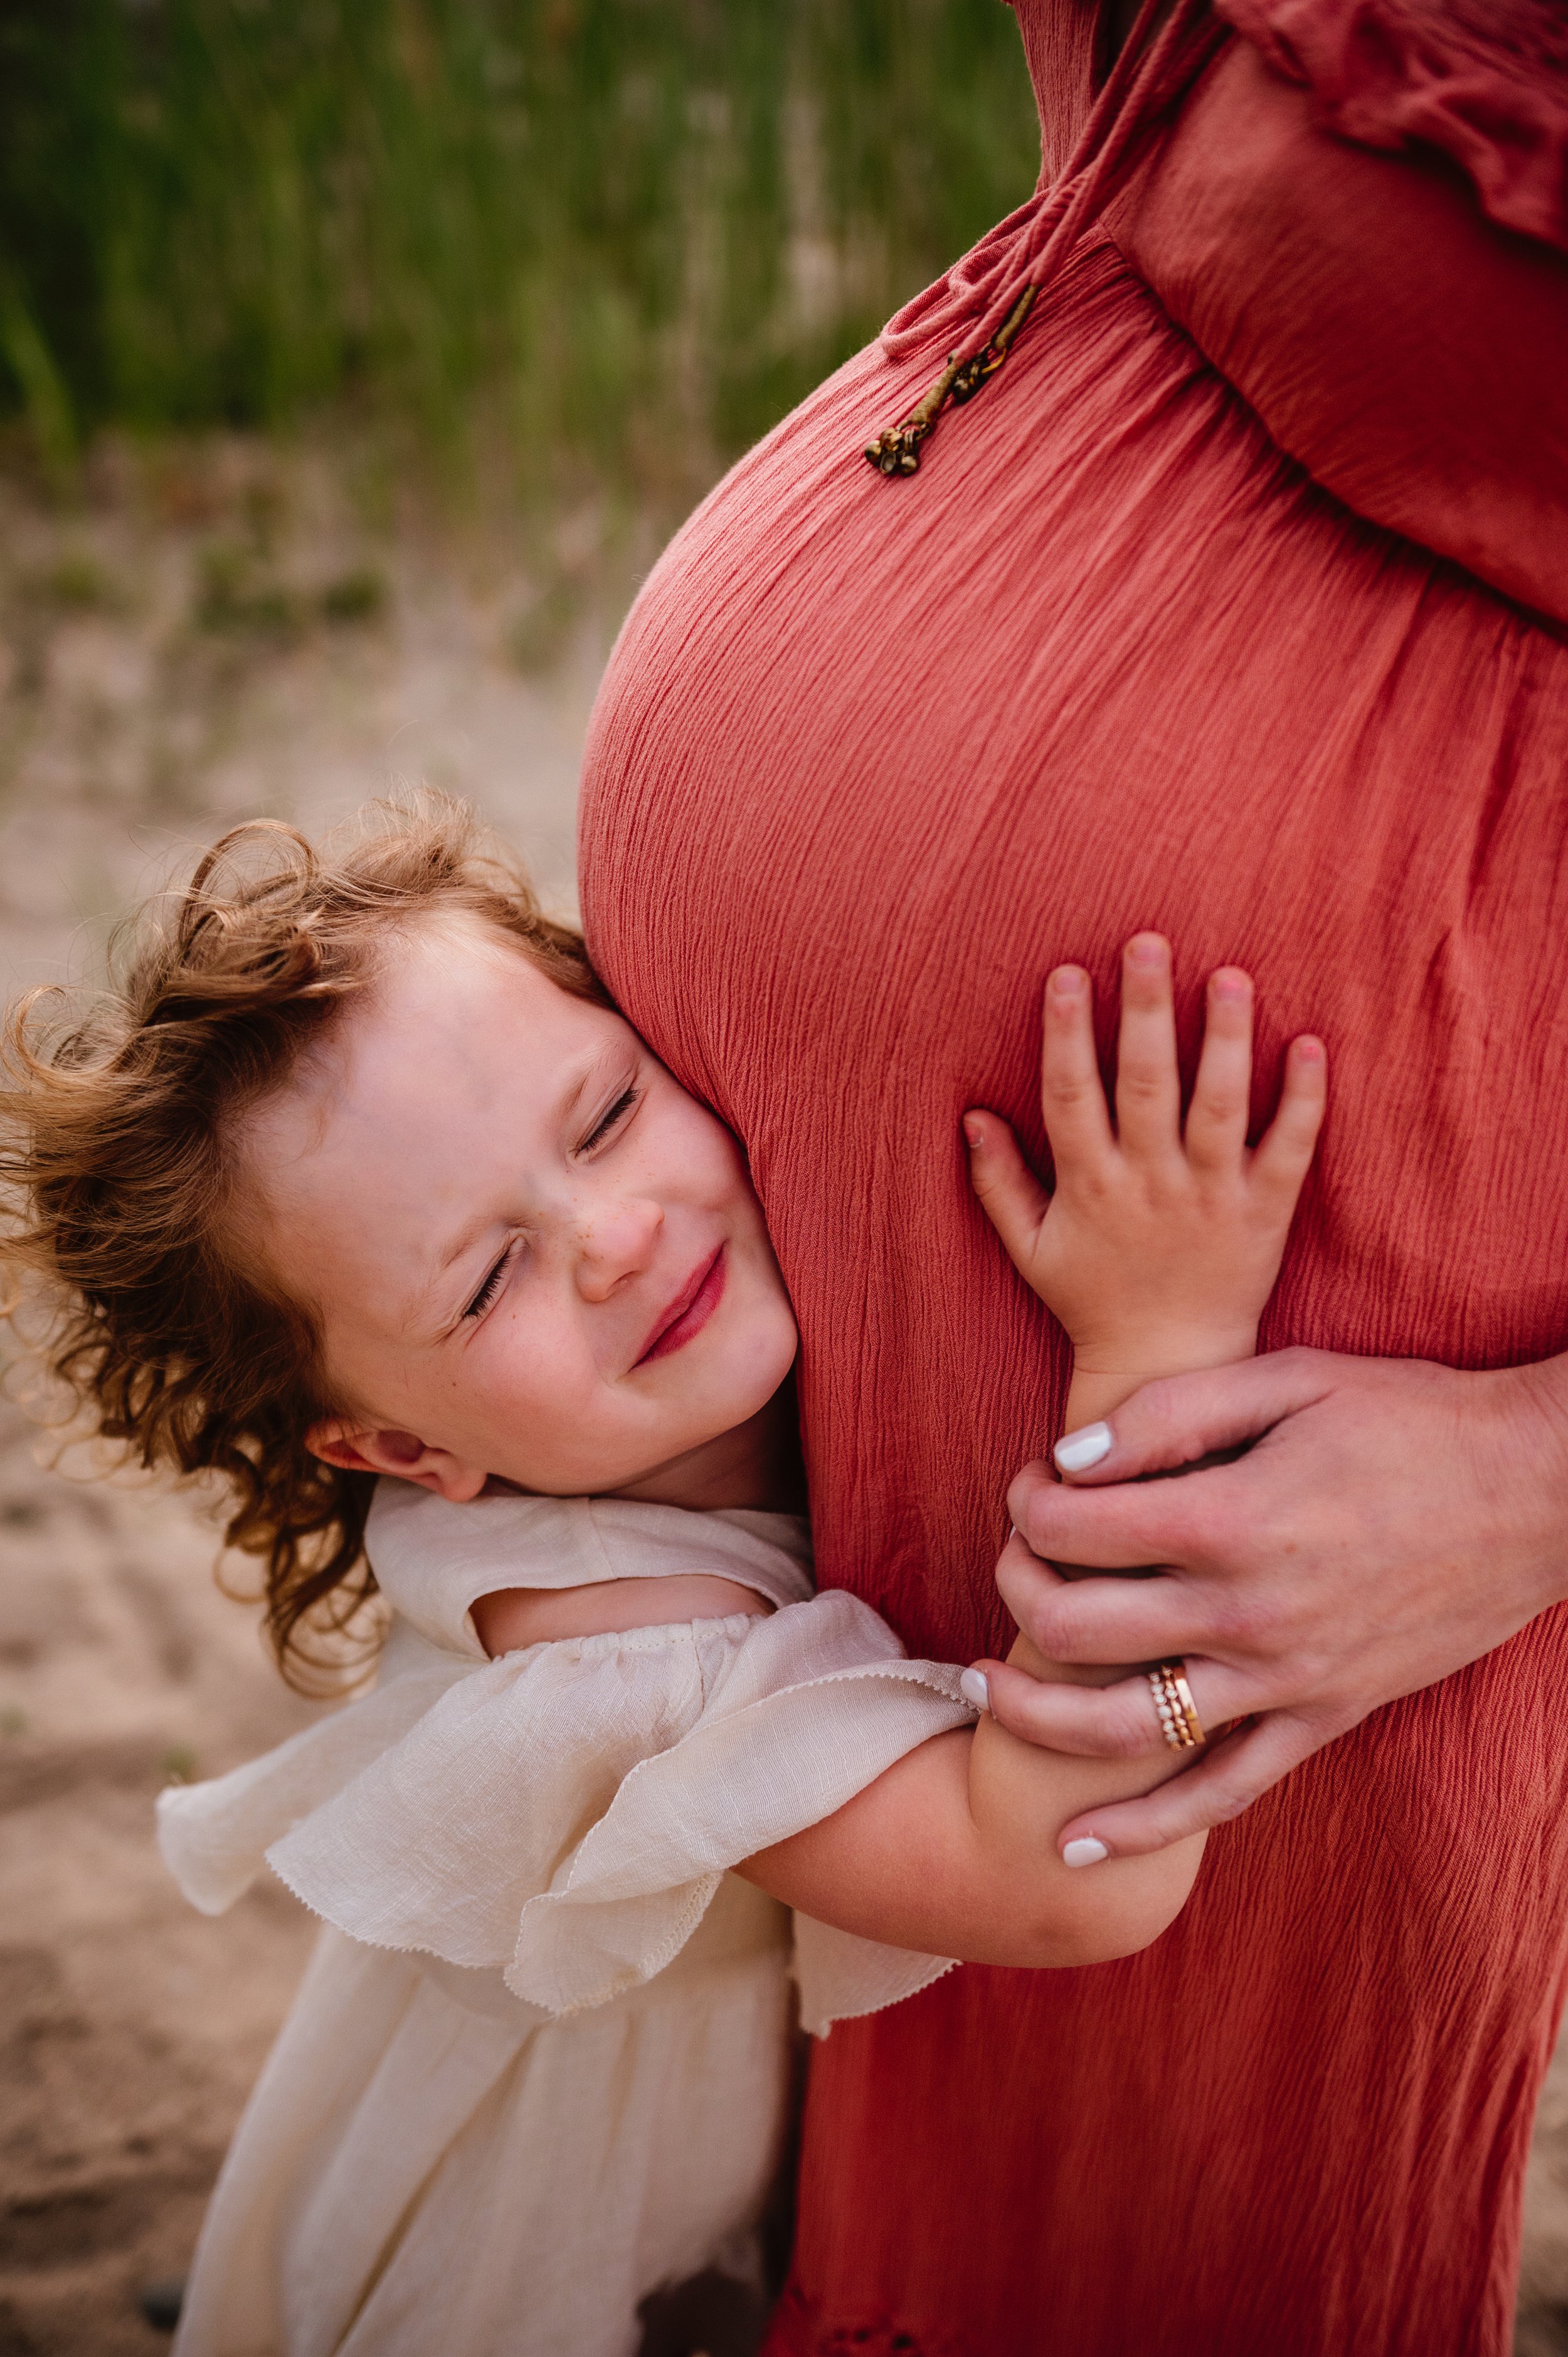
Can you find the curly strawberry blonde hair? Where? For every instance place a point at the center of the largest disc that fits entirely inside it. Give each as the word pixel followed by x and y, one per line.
pixel 118 1168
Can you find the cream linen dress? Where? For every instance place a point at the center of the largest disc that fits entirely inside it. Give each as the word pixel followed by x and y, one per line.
pixel 538 2065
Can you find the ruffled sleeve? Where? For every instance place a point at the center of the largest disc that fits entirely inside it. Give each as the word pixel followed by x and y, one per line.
pixel 1484 82
pixel 567 1813
pixel 214 1836
pixel 819 1702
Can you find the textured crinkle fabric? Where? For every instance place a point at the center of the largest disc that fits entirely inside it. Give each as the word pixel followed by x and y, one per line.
pixel 1358 215
pixel 1482 82
pixel 1408 352
pixel 540 2065
pixel 870 757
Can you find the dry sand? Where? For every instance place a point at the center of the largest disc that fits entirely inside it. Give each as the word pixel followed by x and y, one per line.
pixel 141 708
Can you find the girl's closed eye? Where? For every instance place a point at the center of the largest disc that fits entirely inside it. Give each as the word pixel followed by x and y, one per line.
pixel 491 1286
pixel 611 1116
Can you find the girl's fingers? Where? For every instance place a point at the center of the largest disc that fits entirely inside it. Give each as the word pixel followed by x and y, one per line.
pixel 1221 1096
pixel 1148 1086
pixel 1011 1196
pixel 1288 1144
pixel 1072 1095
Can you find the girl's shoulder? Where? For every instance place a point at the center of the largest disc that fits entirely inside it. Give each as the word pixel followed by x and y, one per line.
pixel 433 1558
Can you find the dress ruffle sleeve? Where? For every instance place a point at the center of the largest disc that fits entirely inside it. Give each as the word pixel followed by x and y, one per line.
pixel 807 1715
pixel 1484 82
pixel 567 1813
pixel 214 1836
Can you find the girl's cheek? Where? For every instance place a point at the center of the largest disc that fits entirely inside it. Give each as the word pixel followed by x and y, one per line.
pixel 543 1371
pixel 702 1145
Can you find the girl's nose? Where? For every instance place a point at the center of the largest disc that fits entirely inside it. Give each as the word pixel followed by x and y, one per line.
pixel 615 1241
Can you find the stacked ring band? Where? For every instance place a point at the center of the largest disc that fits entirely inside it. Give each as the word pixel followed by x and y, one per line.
pixel 1179 1722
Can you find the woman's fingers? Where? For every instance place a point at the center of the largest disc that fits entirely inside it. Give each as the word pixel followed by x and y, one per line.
pixel 1222 1094
pixel 1289 1141
pixel 1131 1526
pixel 1011 1196
pixel 1174 1422
pixel 1226 1779
pixel 1117 1722
pixel 1072 1097
pixel 1148 1084
pixel 1071 1615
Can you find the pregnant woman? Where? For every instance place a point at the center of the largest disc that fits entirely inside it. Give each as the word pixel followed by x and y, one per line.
pixel 1232 606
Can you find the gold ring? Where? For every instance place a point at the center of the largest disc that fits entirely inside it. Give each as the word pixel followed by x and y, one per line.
pixel 1179 1722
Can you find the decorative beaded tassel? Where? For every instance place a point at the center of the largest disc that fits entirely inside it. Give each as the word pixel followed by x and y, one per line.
pixel 896 449
pixel 1149 79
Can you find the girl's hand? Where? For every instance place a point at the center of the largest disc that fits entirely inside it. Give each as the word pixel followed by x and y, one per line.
pixel 1159 1247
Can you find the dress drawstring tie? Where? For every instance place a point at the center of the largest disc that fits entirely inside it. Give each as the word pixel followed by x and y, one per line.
pixel 1142 86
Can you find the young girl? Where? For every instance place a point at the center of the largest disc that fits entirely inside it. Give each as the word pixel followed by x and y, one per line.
pixel 360 1193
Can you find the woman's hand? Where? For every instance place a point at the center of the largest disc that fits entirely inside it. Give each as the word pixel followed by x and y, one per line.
pixel 1394 1520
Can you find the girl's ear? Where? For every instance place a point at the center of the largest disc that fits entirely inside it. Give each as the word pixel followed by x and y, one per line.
pixel 361 1448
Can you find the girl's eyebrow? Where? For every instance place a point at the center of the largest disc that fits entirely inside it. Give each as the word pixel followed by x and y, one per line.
pixel 471 1233
pixel 589 1072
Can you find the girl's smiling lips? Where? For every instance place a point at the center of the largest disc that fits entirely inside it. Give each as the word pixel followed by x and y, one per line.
pixel 689 1312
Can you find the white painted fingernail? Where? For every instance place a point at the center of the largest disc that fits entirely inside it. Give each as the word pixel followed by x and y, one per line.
pixel 975 1687
pixel 1075 1452
pixel 1084 1851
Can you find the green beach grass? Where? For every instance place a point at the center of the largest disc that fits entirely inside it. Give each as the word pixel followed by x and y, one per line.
pixel 605 242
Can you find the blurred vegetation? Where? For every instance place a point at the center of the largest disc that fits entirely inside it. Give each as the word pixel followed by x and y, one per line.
pixel 611 240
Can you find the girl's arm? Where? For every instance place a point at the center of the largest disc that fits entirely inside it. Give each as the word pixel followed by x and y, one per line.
pixel 1157 1250
pixel 509 1620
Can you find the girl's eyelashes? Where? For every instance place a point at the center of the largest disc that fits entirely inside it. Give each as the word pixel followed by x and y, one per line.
pixel 490 1288
pixel 608 1120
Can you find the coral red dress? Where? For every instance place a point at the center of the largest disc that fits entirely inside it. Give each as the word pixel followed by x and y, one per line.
pixel 1232 606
